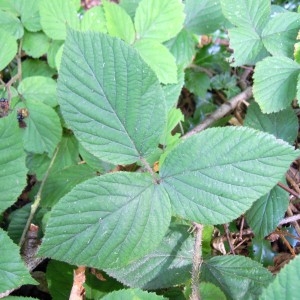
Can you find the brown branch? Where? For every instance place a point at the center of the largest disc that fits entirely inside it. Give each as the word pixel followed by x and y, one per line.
pixel 229 238
pixel 291 219
pixel 287 189
pixel 78 291
pixel 197 261
pixel 223 110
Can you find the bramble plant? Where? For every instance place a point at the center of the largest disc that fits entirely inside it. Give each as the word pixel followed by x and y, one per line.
pixel 111 174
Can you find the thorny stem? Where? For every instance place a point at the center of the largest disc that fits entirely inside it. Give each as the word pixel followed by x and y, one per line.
pixel 197 261
pixel 147 166
pixel 223 110
pixel 37 199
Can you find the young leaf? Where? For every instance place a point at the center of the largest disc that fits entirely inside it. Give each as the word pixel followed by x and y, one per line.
pixel 158 20
pixel 108 221
pixel 12 162
pixel 230 273
pixel 8 52
pixel 284 287
pixel 215 176
pixel 283 125
pixel 247 45
pixel 35 44
pixel 110 98
pixel 168 265
pixel 13 272
pixel 252 14
pixel 43 131
pixel 39 89
pixel 203 17
pixel 130 294
pixel 280 33
pixel 94 19
pixel 275 81
pixel 11 24
pixel 118 22
pixel 265 213
pixel 159 58
pixel 56 15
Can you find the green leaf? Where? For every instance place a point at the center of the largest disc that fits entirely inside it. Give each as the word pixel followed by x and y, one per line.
pixel 279 35
pixel 159 58
pixel 262 252
pixel 13 272
pixel 35 44
pixel 284 287
pixel 209 291
pixel 247 45
pixel 214 182
pixel 43 131
pixel 56 15
pixel 130 294
pixel 94 19
pixel 12 162
pixel 39 89
pixel 52 51
pixel 158 20
pixel 204 16
pixel 34 67
pixel 283 125
pixel 114 105
pixel 297 52
pixel 118 22
pixel 18 221
pixel 8 52
pixel 11 24
pixel 59 279
pixel 197 82
pixel 182 46
pixel 30 15
pixel 108 221
pixel 61 182
pixel 239 277
pixel 253 14
pixel 275 81
pixel 168 265
pixel 265 213
pixel 130 6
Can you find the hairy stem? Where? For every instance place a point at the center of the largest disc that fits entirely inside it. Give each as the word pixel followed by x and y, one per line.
pixel 197 261
pixel 37 199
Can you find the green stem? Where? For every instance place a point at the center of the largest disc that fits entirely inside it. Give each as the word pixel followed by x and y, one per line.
pixel 37 199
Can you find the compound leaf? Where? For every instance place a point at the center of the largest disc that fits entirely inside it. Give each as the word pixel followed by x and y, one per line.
pixel 168 265
pixel 158 20
pixel 275 81
pixel 13 272
pixel 214 182
pixel 239 277
pixel 108 221
pixel 283 286
pixel 110 98
pixel 12 162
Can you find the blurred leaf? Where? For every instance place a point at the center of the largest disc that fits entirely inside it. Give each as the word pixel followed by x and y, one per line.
pixel 284 124
pixel 130 294
pixel 209 291
pixel 8 52
pixel 94 19
pixel 52 51
pixel 283 286
pixel 238 277
pixel 275 80
pixel 34 67
pixel 262 251
pixel 197 82
pixel 13 272
pixel 12 161
pixel 11 24
pixel 35 44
